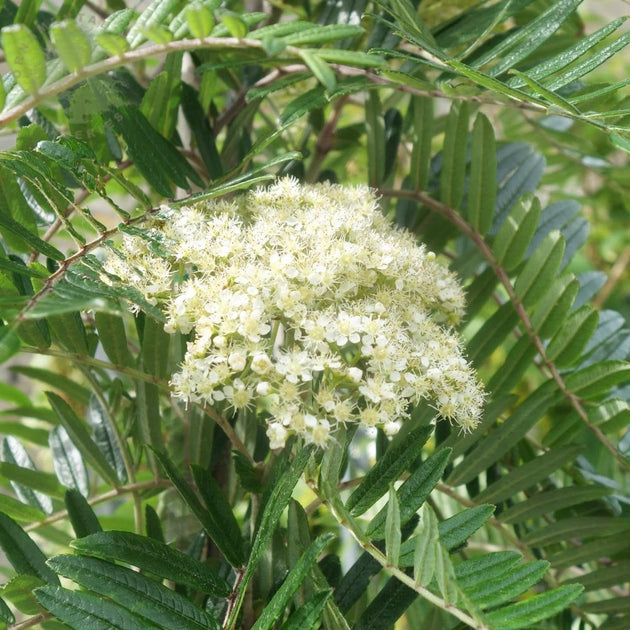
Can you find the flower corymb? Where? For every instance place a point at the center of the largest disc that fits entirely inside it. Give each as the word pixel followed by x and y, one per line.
pixel 305 304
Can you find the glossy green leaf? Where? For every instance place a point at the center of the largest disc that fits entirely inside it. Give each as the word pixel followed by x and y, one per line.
pixel 81 438
pixel 413 492
pixel 24 56
pixel 72 44
pixel 82 517
pixel 454 156
pixel 540 270
pixel 222 529
pixel 154 557
pixel 482 189
pixel 79 610
pixel 14 453
pixel 278 603
pixel 68 462
pixel 106 437
pixel 23 554
pixel 396 459
pixel 534 609
pixel 144 597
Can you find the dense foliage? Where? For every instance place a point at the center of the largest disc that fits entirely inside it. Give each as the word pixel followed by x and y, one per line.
pixel 263 409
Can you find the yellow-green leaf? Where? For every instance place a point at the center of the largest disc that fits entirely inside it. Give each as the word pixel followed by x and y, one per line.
pixel 24 56
pixel 72 44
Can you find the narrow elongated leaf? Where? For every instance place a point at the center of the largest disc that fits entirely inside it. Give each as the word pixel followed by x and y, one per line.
pixel 105 437
pixel 81 438
pixel 155 14
pixel 308 615
pixel 516 232
pixel 42 482
pixel 482 189
pixel 456 530
pixel 112 336
pixel 386 608
pixel 375 132
pixel 506 435
pixel 58 381
pixel 80 610
pixel 14 453
pixel 19 511
pixel 540 270
pixel 321 34
pixel 19 591
pixel 489 567
pixel 396 459
pixel 534 609
pixel 320 69
pixel 72 44
pixel 552 97
pixel 424 546
pixel 220 528
pixel 9 343
pixel 454 155
pixel 276 607
pixel 554 306
pixel 140 595
pixel 582 526
pixel 13 227
pixel 24 56
pixel 200 20
pixel 23 554
pixel 528 474
pixel 569 342
pixel 154 557
pixel 413 491
pixel 160 103
pixel 491 593
pixel 5 612
pixel 603 578
pixel 601 547
pixel 552 501
pixel 597 379
pixel 67 461
pixel 392 528
pixel 421 151
pixel 82 517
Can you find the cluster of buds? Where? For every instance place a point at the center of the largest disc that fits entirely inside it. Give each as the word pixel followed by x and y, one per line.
pixel 305 304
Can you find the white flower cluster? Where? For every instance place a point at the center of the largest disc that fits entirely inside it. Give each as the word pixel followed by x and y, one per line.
pixel 306 304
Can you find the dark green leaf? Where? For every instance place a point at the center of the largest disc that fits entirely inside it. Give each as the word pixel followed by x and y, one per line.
pixel 534 609
pixel 396 459
pixel 82 517
pixel 154 557
pixel 23 554
pixel 482 190
pixel 307 615
pixel 142 596
pixel 278 604
pixel 106 437
pixel 413 491
pixel 454 158
pixel 80 610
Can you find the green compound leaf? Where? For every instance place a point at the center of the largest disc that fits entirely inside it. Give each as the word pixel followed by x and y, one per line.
pixel 81 610
pixel 24 56
pixel 137 593
pixel 526 613
pixel 397 458
pixel 154 557
pixel 278 604
pixel 72 44
pixel 413 491
pixel 23 554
